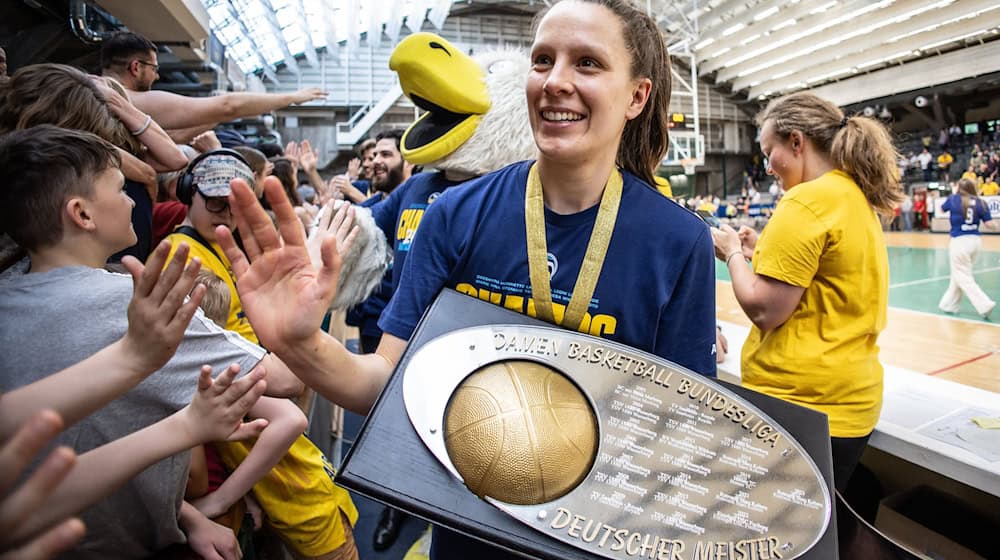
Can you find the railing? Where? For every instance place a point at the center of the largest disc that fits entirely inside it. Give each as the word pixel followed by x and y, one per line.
pixel 349 132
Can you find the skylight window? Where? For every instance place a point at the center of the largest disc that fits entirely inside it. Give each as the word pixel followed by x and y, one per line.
pixel 259 33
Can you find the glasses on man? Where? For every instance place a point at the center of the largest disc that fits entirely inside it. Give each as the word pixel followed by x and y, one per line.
pixel 155 67
pixel 215 204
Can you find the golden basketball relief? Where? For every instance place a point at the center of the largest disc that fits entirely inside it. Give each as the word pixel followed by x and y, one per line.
pixel 520 432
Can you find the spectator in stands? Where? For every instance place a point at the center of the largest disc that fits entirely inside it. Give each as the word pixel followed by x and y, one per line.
pixel 73 225
pixel 989 187
pixel 970 173
pixel 355 186
pixel 819 287
pixel 131 59
pixel 168 212
pixel 3 64
pixel 362 173
pixel 920 210
pixel 270 149
pixel 944 161
pixel 903 163
pixel 259 164
pixel 286 170
pixel 943 138
pixel 966 211
pixel 906 209
pixel 925 158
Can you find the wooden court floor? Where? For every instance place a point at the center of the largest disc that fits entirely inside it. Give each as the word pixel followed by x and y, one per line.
pixel 962 348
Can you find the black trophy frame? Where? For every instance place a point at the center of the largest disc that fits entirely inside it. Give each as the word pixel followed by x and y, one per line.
pixel 389 463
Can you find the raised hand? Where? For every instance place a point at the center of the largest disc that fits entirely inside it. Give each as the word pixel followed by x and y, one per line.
pixel 217 409
pixel 292 152
pixel 206 142
pixel 283 294
pixel 354 168
pixel 158 314
pixel 308 157
pixel 19 504
pixel 341 184
pixel 335 220
pixel 308 94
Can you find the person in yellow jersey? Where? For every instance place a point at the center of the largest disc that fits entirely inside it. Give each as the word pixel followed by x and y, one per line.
pixel 989 188
pixel 290 477
pixel 970 173
pixel 819 285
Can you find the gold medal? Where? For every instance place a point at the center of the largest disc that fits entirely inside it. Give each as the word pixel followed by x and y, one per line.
pixel 593 260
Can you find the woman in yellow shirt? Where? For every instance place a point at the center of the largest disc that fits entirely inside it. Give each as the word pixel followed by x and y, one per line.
pixel 819 287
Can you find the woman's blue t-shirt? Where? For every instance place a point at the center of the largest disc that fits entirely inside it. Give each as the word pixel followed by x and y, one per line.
pixel 656 291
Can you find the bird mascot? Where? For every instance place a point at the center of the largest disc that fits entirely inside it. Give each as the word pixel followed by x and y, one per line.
pixel 475 122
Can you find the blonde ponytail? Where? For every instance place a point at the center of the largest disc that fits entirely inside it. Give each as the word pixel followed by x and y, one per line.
pixel 864 150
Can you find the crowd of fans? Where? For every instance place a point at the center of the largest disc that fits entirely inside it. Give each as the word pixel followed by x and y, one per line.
pixel 163 462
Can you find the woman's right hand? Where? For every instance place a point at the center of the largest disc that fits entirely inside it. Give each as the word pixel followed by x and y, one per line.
pixel 726 242
pixel 748 237
pixel 283 294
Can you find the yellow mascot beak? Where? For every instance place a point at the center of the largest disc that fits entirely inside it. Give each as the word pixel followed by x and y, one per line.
pixel 446 83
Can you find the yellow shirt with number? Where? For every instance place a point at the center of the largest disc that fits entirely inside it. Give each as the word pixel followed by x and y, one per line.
pixel 826 238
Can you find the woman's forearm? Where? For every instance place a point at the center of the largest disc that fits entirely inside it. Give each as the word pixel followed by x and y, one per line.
pixel 767 302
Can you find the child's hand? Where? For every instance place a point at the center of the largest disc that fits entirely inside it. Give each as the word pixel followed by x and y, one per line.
pixel 158 314
pixel 208 539
pixel 335 221
pixel 217 409
pixel 18 503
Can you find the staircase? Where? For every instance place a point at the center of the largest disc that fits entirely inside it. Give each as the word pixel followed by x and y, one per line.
pixel 348 133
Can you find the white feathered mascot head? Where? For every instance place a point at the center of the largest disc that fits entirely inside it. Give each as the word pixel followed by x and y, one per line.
pixel 476 121
pixel 476 118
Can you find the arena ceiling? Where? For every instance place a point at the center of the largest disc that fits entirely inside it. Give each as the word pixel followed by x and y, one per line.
pixel 753 49
pixel 847 50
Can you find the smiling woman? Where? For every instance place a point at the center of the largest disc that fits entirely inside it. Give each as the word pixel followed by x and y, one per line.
pixel 633 266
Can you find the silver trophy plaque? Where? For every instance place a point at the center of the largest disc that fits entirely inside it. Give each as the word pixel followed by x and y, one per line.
pixel 612 450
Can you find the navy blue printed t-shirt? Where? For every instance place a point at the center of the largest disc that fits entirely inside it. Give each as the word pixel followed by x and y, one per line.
pixel 400 214
pixel 966 223
pixel 656 291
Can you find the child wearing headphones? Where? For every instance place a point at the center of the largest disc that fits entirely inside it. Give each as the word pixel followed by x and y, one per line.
pixel 288 475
